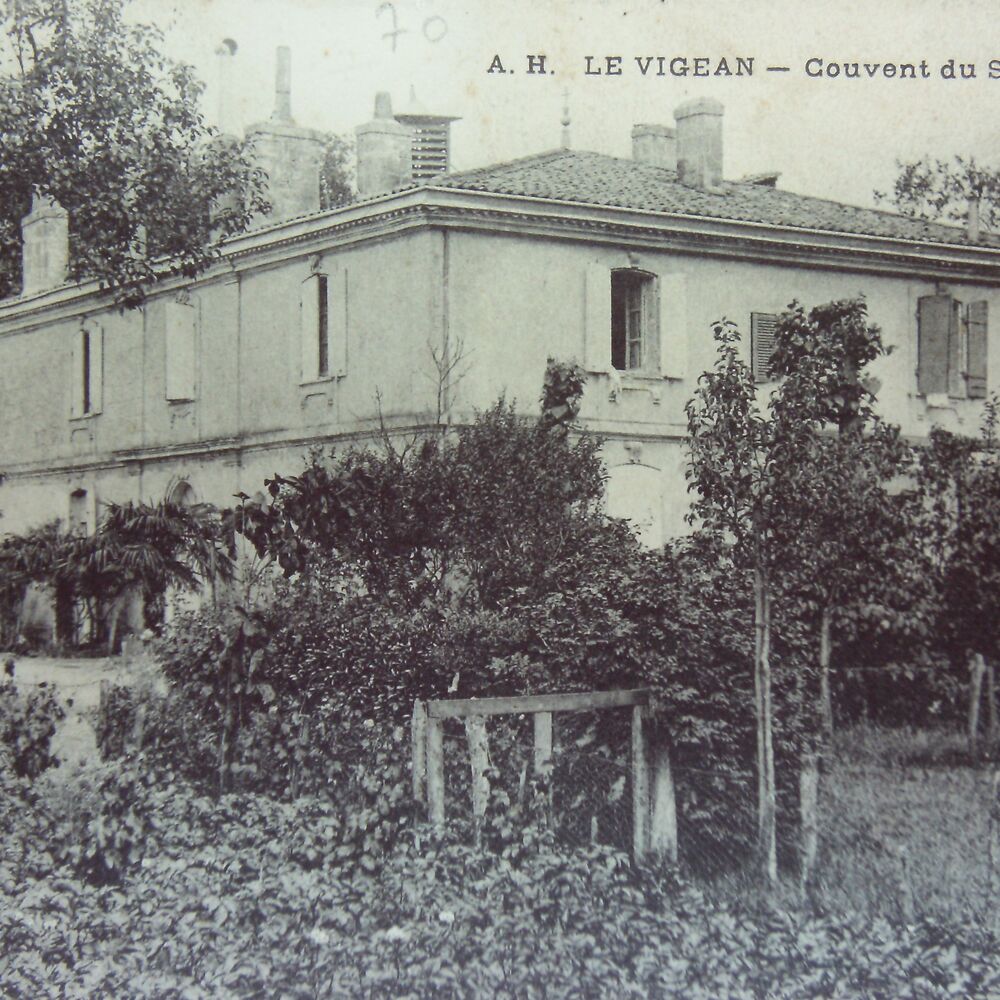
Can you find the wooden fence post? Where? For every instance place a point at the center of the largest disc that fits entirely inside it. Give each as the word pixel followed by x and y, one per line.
pixel 977 668
pixel 640 785
pixel 663 812
pixel 479 759
pixel 993 847
pixel 435 771
pixel 542 725
pixel 418 733
pixel 992 722
pixel 809 830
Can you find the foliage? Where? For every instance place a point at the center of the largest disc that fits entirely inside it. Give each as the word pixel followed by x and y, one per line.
pixel 336 172
pixel 494 509
pixel 96 117
pixel 931 188
pixel 243 896
pixel 138 548
pixel 27 724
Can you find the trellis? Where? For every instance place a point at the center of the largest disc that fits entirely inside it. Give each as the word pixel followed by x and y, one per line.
pixel 654 810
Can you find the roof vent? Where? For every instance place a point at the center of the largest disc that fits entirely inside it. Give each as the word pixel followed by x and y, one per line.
pixel 431 138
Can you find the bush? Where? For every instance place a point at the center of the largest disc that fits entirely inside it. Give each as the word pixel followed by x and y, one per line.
pixel 27 724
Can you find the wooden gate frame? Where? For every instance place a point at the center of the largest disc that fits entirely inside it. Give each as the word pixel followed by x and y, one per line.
pixel 654 809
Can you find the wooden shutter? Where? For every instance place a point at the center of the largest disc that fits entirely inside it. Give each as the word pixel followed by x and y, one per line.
pixel 977 347
pixel 76 375
pixel 763 333
pixel 309 328
pixel 96 369
pixel 935 318
pixel 597 319
pixel 181 350
pixel 336 331
pixel 673 325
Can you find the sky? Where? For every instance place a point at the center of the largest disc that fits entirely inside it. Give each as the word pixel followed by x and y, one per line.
pixel 828 136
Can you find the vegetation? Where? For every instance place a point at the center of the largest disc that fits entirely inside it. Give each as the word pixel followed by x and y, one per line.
pixel 96 117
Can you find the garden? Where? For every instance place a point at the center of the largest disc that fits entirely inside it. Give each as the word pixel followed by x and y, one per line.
pixel 817 655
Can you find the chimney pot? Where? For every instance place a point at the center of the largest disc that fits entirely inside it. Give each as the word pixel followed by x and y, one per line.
pixel 45 245
pixel 699 143
pixel 655 145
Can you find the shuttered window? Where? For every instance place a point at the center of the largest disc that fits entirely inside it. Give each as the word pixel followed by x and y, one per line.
pixel 181 350
pixel 323 326
pixel 87 371
pixel 977 343
pixel 952 341
pixel 763 330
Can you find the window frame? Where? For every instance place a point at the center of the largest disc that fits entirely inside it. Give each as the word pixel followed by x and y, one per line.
pixel 634 303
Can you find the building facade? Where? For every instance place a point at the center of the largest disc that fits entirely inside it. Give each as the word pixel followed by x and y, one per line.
pixel 320 327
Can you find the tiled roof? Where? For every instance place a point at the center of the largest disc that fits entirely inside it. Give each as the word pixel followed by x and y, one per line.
pixel 596 179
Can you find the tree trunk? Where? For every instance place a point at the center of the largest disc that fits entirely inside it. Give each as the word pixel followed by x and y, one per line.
pixel 825 699
pixel 992 723
pixel 977 668
pixel 767 800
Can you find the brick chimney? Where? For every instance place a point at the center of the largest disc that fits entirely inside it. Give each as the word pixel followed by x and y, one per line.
pixel 384 148
pixel 289 154
pixel 699 143
pixel 45 252
pixel 655 145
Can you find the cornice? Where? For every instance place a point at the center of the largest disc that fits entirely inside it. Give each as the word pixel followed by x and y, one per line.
pixel 392 215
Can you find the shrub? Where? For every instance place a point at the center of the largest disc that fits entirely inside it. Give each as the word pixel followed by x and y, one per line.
pixel 27 724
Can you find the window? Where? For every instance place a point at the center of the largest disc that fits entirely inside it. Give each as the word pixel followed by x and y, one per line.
pixel 80 508
pixel 952 340
pixel 181 350
pixel 635 321
pixel 87 372
pixel 631 292
pixel 763 328
pixel 324 326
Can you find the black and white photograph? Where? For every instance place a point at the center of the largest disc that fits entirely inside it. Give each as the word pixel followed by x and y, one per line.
pixel 499 500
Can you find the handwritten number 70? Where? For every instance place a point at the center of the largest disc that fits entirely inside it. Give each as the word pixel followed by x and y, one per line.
pixel 434 27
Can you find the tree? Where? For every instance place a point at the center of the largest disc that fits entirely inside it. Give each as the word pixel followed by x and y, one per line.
pixel 734 469
pixel 95 117
pixel 143 549
pixel 498 507
pixel 336 174
pixel 958 190
pixel 844 521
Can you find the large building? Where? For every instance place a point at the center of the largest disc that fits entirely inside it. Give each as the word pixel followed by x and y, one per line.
pixel 315 326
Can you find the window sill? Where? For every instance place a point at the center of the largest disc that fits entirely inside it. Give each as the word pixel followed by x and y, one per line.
pixel 319 380
pixel 81 418
pixel 181 400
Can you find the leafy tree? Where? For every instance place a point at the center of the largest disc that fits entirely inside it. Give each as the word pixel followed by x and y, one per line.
pixel 336 172
pixel 844 521
pixel 957 516
pixel 96 117
pixel 957 190
pixel 737 460
pixel 145 549
pixel 502 506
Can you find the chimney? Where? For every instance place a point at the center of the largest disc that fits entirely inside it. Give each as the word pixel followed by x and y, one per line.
pixel 972 220
pixel 655 145
pixel 225 112
pixel 289 154
pixel 45 252
pixel 699 144
pixel 384 148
